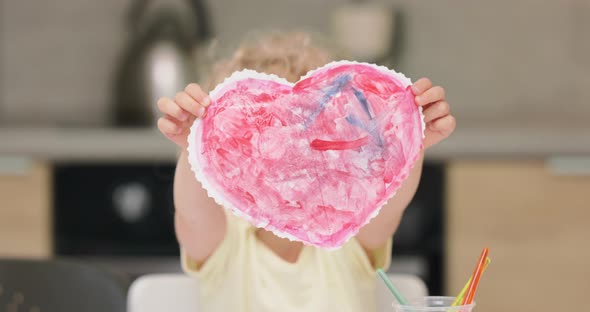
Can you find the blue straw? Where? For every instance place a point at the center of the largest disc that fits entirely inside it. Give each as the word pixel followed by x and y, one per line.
pixel 398 295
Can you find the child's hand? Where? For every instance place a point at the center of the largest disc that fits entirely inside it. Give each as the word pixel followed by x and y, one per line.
pixel 180 113
pixel 437 114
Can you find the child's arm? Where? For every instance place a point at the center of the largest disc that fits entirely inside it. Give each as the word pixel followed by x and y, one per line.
pixel 439 125
pixel 199 221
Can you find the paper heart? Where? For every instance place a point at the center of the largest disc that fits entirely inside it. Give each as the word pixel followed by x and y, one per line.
pixel 312 161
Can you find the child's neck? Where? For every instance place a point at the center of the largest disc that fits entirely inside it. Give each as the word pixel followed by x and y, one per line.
pixel 282 247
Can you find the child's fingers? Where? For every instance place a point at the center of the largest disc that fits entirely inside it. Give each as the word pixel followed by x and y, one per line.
pixel 168 126
pixel 170 108
pixel 436 110
pixel 431 95
pixel 188 103
pixel 195 91
pixel 421 85
pixel 444 125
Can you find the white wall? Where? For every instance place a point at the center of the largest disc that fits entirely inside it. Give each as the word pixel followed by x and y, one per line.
pixel 501 61
pixel 56 59
pixel 506 61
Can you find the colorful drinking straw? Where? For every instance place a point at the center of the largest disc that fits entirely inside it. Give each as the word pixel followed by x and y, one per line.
pixel 398 295
pixel 461 294
pixel 476 277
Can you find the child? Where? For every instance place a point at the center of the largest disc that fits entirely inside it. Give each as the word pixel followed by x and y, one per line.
pixel 243 268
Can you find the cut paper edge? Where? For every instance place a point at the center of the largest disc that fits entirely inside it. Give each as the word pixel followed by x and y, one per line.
pixel 194 146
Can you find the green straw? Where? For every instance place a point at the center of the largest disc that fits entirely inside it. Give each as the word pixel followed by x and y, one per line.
pixel 459 297
pixel 400 298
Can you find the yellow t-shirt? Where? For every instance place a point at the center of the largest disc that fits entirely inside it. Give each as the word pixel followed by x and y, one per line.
pixel 244 275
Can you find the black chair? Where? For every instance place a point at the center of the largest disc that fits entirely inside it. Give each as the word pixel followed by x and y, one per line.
pixel 60 286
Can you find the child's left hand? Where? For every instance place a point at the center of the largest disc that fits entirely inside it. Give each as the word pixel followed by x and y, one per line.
pixel 437 112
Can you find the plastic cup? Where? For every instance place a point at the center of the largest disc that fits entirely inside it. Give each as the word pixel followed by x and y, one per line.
pixel 432 304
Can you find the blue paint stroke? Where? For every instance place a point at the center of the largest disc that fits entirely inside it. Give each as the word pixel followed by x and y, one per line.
pixel 335 87
pixel 355 122
pixel 371 128
pixel 363 100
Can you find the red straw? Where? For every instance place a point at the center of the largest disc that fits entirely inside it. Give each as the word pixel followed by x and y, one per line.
pixel 476 277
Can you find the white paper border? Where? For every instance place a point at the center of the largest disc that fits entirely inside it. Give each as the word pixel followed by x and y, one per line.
pixel 194 145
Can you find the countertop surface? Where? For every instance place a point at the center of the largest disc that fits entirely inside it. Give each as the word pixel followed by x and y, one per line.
pixel 82 144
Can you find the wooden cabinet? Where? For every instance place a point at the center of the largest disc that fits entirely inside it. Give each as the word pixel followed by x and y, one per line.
pixel 25 201
pixel 537 226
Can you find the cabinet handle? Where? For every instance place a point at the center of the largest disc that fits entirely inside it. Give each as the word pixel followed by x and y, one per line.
pixel 15 165
pixel 569 165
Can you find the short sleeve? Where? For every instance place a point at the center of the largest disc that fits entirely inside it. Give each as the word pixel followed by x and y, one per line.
pixel 381 257
pixel 217 264
pixel 370 261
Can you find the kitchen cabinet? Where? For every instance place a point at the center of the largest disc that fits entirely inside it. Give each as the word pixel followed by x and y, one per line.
pixel 25 216
pixel 537 226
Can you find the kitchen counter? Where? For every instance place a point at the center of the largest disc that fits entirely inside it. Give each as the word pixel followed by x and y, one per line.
pixel 79 144
pixel 82 144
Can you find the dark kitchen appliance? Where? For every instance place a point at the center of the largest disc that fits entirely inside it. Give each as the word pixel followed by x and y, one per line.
pixel 159 59
pixel 114 210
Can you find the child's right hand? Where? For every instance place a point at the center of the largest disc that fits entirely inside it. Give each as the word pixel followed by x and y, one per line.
pixel 180 113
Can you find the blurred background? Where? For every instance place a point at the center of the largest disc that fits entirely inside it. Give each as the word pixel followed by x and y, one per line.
pixel 85 175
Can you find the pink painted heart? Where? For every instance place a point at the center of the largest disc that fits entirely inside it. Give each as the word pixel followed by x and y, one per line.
pixel 312 161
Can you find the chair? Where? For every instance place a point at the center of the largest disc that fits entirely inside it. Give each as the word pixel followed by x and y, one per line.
pixel 177 292
pixel 59 285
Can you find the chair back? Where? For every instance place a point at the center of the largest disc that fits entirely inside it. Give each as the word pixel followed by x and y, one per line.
pixel 59 285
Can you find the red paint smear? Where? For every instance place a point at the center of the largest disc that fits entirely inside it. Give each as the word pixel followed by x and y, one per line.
pixel 322 145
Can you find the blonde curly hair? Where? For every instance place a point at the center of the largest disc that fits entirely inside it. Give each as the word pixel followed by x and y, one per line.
pixel 288 55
